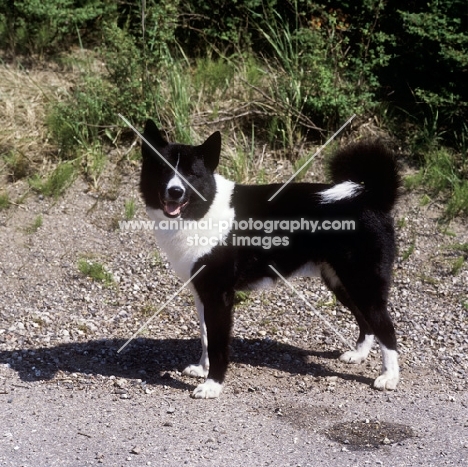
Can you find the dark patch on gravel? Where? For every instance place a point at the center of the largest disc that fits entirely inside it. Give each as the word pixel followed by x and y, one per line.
pixel 367 434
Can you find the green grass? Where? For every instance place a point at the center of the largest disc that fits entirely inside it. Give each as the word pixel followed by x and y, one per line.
pixel 94 160
pixel 4 201
pixel 213 76
pixel 457 265
pixel 156 260
pixel 147 310
pixel 299 163
pixel 55 184
pixel 241 297
pixel 457 204
pixel 35 226
pixel 402 222
pixel 444 173
pixel 425 200
pixel 18 165
pixel 462 247
pixel 409 251
pixel 95 271
pixel 179 94
pixel 130 209
pixel 239 166
pixel 243 163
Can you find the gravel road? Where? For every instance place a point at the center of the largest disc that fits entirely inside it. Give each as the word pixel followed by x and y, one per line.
pixel 68 398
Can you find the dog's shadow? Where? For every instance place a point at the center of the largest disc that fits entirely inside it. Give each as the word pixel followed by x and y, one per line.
pixel 153 360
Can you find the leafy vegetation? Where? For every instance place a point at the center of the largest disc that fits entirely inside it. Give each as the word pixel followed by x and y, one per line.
pixel 445 172
pixel 280 74
pixel 95 271
pixel 56 182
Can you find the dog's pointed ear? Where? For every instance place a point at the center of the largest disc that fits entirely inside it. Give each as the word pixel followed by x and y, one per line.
pixel 154 136
pixel 211 150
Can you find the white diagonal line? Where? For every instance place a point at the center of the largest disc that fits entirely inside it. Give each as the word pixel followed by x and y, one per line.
pixel 343 339
pixel 319 150
pixel 162 157
pixel 156 313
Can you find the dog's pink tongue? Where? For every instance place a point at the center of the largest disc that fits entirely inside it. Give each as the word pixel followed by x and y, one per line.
pixel 172 208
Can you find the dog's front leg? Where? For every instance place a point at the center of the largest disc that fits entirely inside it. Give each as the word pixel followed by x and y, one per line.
pixel 200 370
pixel 217 307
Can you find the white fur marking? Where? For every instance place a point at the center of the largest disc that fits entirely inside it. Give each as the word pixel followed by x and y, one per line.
pixel 175 180
pixel 200 370
pixel 181 254
pixel 341 191
pixel 390 370
pixel 361 352
pixel 210 389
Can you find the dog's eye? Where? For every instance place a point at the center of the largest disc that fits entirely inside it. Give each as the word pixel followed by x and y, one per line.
pixel 189 171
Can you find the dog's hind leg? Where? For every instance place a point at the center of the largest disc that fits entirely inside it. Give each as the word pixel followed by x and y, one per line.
pixel 200 370
pixel 366 336
pixel 376 315
pixel 366 297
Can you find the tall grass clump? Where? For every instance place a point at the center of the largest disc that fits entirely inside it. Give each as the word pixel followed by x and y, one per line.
pixel 4 201
pixel 55 183
pixel 445 172
pixel 309 79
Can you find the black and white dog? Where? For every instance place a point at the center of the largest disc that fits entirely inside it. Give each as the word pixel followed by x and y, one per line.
pixel 240 235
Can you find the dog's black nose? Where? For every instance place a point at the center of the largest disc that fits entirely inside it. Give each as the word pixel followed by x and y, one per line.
pixel 175 192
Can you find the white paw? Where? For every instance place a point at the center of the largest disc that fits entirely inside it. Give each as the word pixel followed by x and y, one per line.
pixel 208 390
pixel 196 371
pixel 387 380
pixel 352 356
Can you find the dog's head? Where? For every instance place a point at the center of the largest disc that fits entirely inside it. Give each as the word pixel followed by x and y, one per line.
pixel 179 180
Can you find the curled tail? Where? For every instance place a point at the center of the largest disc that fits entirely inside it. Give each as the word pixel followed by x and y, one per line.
pixel 364 169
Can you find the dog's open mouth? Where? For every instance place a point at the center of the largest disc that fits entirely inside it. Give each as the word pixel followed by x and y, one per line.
pixel 173 208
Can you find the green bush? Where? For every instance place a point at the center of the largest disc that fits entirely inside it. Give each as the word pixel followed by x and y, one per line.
pixel 48 26
pixel 427 71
